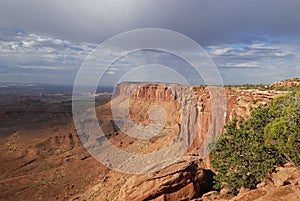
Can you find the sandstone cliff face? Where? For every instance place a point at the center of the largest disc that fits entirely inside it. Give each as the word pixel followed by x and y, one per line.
pixel 198 113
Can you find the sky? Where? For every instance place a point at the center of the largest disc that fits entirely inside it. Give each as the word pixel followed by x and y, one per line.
pixel 250 41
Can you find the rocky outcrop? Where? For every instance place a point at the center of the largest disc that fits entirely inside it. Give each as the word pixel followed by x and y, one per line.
pixel 201 109
pixel 199 112
pixel 286 175
pixel 284 184
pixel 184 180
pixel 291 83
pixel 194 114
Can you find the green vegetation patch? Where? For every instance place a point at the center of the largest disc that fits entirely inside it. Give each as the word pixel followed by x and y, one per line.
pixel 250 149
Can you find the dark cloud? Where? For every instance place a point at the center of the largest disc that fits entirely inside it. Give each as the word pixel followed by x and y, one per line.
pixel 251 41
pixel 206 21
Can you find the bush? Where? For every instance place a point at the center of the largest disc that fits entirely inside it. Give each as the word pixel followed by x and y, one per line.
pixel 240 157
pixel 283 134
pixel 244 154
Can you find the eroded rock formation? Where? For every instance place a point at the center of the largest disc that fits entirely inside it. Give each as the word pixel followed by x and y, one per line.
pixel 183 180
pixel 43 159
pixel 197 114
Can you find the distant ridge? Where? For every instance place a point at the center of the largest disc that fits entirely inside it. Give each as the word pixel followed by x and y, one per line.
pixel 287 84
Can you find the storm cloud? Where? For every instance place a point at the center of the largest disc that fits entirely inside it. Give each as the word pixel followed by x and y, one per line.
pixel 205 21
pixel 251 41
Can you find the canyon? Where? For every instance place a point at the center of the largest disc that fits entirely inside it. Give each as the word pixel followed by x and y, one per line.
pixel 43 157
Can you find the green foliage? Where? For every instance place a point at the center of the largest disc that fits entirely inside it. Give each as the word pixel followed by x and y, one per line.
pixel 245 153
pixel 283 134
pixel 240 157
pixel 256 86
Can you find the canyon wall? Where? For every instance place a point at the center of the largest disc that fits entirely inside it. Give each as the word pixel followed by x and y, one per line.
pixel 198 113
pixel 193 115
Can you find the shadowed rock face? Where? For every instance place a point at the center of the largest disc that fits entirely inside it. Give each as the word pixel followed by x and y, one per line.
pixel 181 181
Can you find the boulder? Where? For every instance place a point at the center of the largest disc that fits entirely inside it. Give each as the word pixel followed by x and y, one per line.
pixel 283 175
pixel 284 186
pixel 184 180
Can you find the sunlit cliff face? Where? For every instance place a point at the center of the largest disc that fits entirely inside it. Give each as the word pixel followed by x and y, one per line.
pixel 149 116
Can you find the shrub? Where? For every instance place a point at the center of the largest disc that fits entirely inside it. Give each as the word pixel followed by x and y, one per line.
pixel 244 154
pixel 283 134
pixel 240 158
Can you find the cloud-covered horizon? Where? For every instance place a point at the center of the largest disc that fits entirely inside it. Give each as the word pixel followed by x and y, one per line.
pixel 28 57
pixel 255 41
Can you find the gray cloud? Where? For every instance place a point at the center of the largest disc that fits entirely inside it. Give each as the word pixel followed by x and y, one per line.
pixel 32 57
pixel 250 40
pixel 251 56
pixel 256 63
pixel 207 22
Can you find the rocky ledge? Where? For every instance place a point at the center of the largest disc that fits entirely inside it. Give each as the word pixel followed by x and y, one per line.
pixel 184 180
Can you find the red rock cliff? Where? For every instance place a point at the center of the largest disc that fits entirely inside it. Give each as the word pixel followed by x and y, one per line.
pixel 196 113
